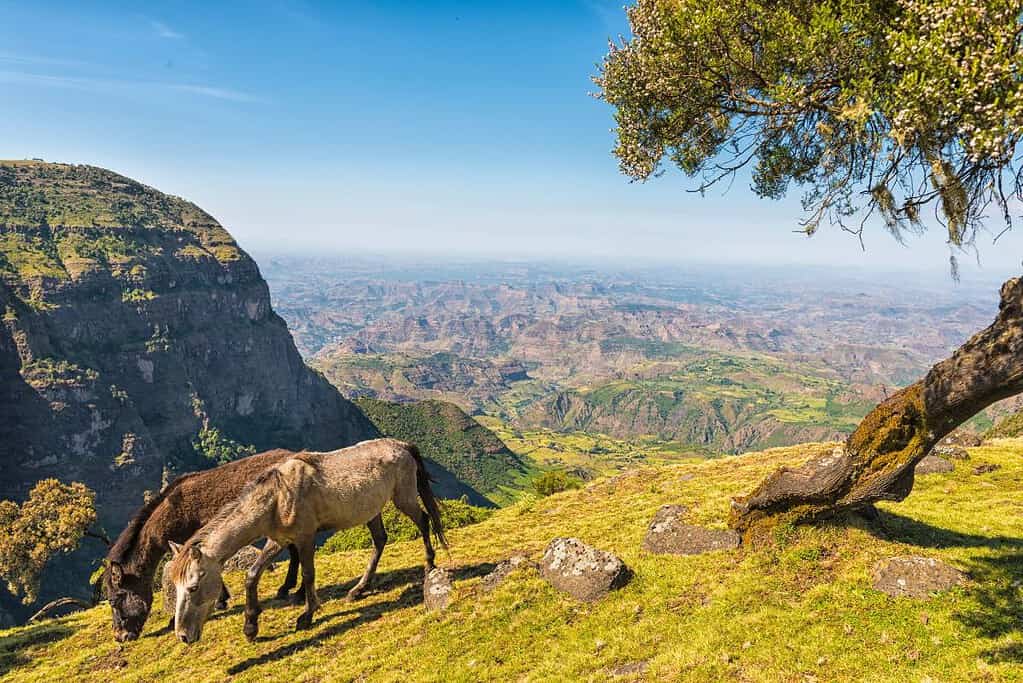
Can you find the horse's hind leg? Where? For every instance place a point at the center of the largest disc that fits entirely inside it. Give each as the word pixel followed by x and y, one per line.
pixel 306 553
pixel 292 578
pixel 252 576
pixel 224 597
pixel 406 501
pixel 379 534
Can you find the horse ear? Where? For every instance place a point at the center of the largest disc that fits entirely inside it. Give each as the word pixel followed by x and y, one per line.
pixel 115 572
pixel 175 548
pixel 196 552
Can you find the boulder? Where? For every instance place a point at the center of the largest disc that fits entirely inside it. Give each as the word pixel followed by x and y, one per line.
pixel 437 590
pixel 932 464
pixel 913 576
pixel 584 572
pixel 986 467
pixel 502 570
pixel 669 534
pixel 950 452
pixel 243 559
pixel 167 586
pixel 961 438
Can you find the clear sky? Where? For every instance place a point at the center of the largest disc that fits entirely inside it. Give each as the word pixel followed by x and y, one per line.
pixel 461 128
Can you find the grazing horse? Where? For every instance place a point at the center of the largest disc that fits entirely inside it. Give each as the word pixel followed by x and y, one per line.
pixel 287 505
pixel 184 506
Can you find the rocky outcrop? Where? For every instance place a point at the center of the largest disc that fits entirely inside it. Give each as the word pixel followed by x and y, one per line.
pixel 437 590
pixel 932 464
pixel 138 339
pixel 669 534
pixel 915 577
pixel 584 572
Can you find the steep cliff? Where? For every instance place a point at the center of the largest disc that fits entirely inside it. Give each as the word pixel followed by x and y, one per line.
pixel 137 336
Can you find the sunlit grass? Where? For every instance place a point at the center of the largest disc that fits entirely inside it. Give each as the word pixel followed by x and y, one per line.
pixel 800 611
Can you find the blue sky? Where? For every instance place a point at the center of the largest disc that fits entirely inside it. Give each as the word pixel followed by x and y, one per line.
pixel 461 128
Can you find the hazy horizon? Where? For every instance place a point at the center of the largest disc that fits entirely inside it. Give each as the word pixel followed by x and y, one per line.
pixel 445 129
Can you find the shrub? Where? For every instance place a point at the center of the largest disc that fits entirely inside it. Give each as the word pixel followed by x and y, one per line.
pixel 553 482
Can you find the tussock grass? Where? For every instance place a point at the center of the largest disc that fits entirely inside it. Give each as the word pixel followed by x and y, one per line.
pixel 801 610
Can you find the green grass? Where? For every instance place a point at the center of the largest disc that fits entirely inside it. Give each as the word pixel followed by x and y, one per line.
pixel 800 611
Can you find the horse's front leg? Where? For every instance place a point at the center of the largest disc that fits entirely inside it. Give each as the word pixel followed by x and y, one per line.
pixel 306 553
pixel 292 578
pixel 252 608
pixel 224 597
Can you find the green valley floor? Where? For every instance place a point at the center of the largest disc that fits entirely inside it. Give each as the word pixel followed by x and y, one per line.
pixel 800 610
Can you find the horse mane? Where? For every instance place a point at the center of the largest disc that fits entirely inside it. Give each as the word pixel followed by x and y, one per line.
pixel 128 539
pixel 270 478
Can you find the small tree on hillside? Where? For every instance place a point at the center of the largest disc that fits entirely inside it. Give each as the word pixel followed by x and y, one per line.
pixel 910 111
pixel 52 520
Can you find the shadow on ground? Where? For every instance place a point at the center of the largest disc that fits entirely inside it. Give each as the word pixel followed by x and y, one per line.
pixel 13 645
pixel 333 625
pixel 993 607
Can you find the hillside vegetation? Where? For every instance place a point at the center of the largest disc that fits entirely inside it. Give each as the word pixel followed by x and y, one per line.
pixel 800 610
pixel 474 455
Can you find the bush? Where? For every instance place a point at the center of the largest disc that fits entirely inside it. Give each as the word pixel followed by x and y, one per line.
pixel 453 513
pixel 553 482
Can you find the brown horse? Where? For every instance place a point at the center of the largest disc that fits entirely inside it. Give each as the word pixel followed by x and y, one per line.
pixel 174 515
pixel 287 505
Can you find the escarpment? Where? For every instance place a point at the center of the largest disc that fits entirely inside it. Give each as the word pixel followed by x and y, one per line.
pixel 137 340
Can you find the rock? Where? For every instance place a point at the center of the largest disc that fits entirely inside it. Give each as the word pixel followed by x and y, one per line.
pixel 584 572
pixel 961 438
pixel 502 570
pixel 629 669
pixel 950 452
pixel 167 586
pixel 243 559
pixel 932 464
pixel 914 577
pixel 669 534
pixel 437 590
pixel 986 467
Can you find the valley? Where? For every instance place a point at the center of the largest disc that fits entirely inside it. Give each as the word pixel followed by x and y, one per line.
pixel 698 360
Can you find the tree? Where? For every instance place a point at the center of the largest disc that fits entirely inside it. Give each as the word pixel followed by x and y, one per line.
pixel 53 519
pixel 910 111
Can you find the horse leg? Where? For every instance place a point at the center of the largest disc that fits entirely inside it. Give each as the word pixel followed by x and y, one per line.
pixel 292 578
pixel 224 597
pixel 407 502
pixel 252 576
pixel 379 534
pixel 306 554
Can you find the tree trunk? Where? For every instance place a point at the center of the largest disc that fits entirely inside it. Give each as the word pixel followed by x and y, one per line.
pixel 877 460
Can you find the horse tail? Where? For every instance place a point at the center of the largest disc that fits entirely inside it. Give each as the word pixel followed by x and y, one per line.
pixel 423 480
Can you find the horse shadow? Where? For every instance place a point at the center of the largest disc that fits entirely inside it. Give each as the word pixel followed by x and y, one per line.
pixel 993 609
pixel 13 645
pixel 340 623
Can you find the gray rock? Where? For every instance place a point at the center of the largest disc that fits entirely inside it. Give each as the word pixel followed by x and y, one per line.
pixel 932 464
pixel 584 572
pixel 630 669
pixel 437 590
pixel 950 452
pixel 961 438
pixel 243 559
pixel 912 576
pixel 167 586
pixel 986 467
pixel 669 534
pixel 503 570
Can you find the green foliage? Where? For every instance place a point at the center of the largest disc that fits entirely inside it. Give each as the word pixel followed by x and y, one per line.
pixel 52 520
pixel 444 433
pixel 1010 426
pixel 552 482
pixel 453 513
pixel 217 448
pixel 879 107
pixel 137 296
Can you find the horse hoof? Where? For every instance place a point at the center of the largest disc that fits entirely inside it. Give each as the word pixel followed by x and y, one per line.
pixel 353 595
pixel 251 630
pixel 305 621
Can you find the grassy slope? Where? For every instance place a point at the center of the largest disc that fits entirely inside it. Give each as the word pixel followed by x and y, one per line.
pixel 802 611
pixel 451 438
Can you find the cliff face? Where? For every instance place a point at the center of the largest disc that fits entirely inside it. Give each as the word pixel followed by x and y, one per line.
pixel 132 324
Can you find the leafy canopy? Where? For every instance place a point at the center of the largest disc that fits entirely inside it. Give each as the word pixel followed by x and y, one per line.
pixel 52 520
pixel 872 107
